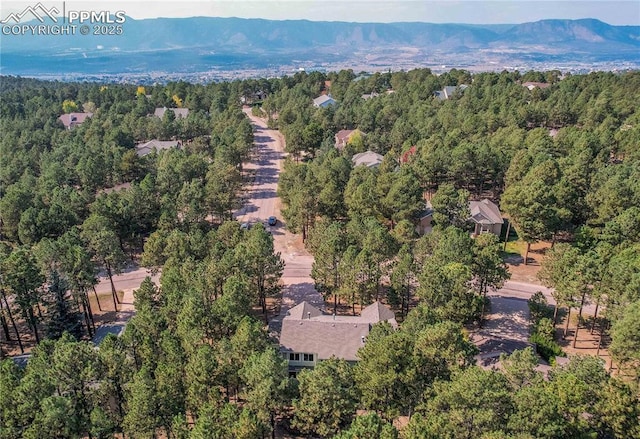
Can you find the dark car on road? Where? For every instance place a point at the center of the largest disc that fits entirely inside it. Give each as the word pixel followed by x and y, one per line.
pixel 272 221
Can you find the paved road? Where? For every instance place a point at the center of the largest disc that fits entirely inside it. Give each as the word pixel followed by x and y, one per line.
pixel 129 279
pixel 263 202
pixel 523 291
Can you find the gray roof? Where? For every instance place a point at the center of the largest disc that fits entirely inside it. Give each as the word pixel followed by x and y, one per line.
pixel 367 96
pixel 328 335
pixel 323 101
pixel 449 91
pixel 368 158
pixel 377 312
pixel 179 112
pixel 485 212
pixel 531 85
pixel 342 136
pixel 70 120
pixel 428 210
pixel 303 310
pixel 159 145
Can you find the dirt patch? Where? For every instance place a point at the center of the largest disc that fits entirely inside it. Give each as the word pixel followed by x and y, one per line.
pixel 587 340
pixel 11 347
pixel 105 312
pixel 514 258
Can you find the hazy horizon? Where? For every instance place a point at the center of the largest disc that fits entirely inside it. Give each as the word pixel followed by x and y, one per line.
pixel 613 12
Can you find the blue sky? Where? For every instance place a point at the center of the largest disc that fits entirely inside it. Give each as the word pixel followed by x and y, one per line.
pixel 616 12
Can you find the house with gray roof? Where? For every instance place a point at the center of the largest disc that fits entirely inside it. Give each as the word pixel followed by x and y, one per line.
pixel 180 113
pixel 344 136
pixel 425 222
pixel 143 149
pixel 369 159
pixel 532 85
pixel 324 101
pixel 486 216
pixel 72 120
pixel 309 336
pixel 449 91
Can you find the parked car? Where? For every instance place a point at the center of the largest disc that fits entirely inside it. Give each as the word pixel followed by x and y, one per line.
pixel 245 226
pixel 272 221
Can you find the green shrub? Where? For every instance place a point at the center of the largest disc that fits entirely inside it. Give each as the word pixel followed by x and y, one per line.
pixel 547 349
pixel 539 308
pixel 545 329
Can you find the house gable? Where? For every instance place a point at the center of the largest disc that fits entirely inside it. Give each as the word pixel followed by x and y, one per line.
pixel 71 120
pixel 343 137
pixel 485 212
pixel 449 91
pixel 180 113
pixel 308 335
pixel 323 101
pixel 369 158
pixel 157 145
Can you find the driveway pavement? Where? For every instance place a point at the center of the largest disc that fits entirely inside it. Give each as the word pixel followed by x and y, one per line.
pixel 127 281
pixel 506 326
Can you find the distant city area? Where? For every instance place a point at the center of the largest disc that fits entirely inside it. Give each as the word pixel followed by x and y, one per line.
pixel 441 65
pixel 161 50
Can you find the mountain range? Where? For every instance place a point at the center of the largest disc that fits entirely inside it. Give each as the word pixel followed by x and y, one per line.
pixel 201 43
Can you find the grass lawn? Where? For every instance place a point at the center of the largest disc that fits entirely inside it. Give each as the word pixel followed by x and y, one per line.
pixel 515 247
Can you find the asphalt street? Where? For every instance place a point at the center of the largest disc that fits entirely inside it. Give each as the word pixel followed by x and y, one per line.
pixel 262 202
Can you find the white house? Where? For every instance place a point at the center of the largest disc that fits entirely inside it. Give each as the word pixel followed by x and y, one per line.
pixel 486 216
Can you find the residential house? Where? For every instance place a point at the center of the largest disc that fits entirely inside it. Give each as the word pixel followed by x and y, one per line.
pixel 180 113
pixel 309 336
pixel 425 223
pixel 531 85
pixel 344 136
pixel 369 159
pixel 323 101
pixel 143 149
pixel 485 217
pixel 449 91
pixel 72 120
pixel 251 98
